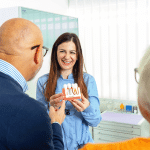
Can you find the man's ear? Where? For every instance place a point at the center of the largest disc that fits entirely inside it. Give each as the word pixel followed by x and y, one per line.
pixel 37 56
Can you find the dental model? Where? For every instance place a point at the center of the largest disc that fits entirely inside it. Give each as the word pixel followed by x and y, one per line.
pixel 71 91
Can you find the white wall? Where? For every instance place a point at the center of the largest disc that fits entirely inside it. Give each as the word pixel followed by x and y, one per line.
pixel 114 35
pixel 54 6
pixel 8 13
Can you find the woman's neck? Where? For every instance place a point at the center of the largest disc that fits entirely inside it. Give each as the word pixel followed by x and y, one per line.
pixel 66 73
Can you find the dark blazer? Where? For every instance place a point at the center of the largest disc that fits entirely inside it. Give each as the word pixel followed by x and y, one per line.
pixel 24 122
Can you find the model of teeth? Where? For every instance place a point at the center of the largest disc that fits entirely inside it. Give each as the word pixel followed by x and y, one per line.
pixel 71 91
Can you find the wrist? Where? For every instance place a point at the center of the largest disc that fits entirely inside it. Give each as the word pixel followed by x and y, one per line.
pixel 56 122
pixel 53 121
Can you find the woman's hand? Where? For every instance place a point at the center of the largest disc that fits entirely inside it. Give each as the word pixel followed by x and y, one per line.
pixel 55 100
pixel 80 105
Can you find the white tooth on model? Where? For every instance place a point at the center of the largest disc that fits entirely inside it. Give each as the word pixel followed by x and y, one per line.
pixel 69 85
pixel 75 85
pixel 79 90
pixel 65 86
pixel 69 89
pixel 70 92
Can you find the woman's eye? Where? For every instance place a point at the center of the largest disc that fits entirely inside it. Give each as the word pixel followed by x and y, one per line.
pixel 62 51
pixel 73 53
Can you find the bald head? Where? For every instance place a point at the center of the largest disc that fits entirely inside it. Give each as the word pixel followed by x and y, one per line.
pixel 17 35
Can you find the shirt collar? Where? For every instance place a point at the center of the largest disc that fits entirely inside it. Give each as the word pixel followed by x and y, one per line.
pixel 10 70
pixel 69 77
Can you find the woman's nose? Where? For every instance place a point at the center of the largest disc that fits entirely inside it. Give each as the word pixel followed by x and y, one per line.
pixel 67 56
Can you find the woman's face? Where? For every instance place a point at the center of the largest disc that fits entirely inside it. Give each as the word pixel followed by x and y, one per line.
pixel 67 55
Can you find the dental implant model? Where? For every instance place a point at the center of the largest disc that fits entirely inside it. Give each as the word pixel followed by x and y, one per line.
pixel 71 91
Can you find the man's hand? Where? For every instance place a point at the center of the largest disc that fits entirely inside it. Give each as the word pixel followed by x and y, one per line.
pixel 56 100
pixel 57 115
pixel 80 105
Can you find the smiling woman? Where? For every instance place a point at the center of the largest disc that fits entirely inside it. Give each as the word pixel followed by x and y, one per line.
pixel 66 56
pixel 67 68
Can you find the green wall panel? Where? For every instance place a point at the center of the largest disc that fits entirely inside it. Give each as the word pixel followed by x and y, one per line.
pixel 52 25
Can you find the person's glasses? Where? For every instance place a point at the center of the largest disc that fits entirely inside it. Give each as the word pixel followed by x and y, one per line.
pixel 45 49
pixel 136 75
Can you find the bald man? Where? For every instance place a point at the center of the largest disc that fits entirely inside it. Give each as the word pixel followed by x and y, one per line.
pixel 25 124
pixel 139 143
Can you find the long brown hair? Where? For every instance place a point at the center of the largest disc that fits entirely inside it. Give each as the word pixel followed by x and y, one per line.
pixel 55 68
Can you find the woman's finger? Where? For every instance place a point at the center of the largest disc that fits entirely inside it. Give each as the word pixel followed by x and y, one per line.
pixel 56 96
pixel 55 101
pixel 77 107
pixel 79 103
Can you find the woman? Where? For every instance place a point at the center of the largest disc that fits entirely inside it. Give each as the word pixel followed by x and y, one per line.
pixel 67 67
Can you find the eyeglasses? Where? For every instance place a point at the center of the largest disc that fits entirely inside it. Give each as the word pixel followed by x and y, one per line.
pixel 45 49
pixel 136 75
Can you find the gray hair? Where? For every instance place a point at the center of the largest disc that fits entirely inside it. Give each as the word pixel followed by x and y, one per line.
pixel 145 59
pixel 144 81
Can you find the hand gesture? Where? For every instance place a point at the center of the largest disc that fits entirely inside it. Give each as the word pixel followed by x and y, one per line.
pixel 80 105
pixel 55 100
pixel 57 115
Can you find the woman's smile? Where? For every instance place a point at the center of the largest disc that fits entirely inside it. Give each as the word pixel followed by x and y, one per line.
pixel 66 62
pixel 66 56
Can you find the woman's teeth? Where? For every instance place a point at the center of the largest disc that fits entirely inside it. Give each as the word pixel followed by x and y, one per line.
pixel 67 62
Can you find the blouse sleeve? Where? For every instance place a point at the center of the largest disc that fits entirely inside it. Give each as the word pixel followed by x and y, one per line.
pixel 92 113
pixel 40 92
